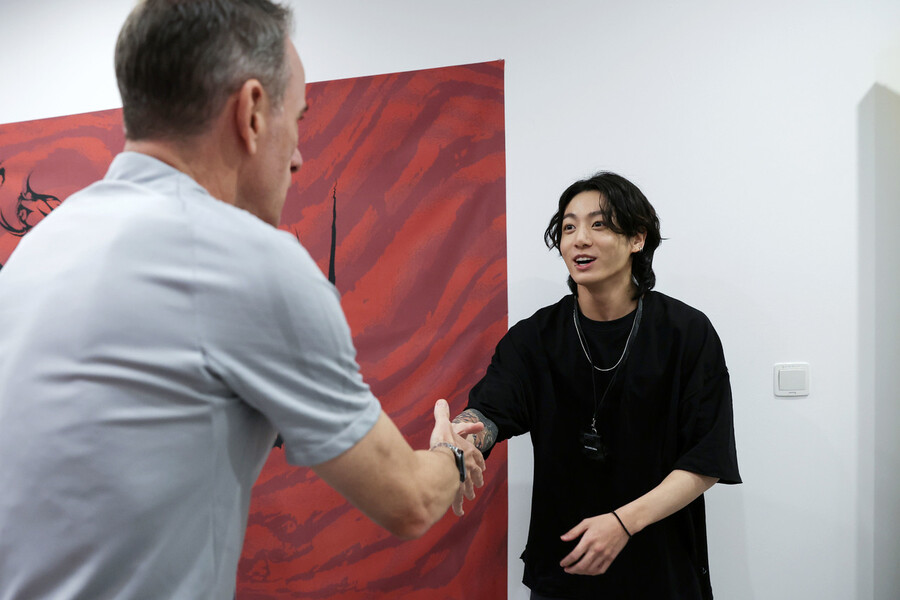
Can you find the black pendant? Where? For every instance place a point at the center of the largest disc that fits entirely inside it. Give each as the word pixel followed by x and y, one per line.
pixel 593 447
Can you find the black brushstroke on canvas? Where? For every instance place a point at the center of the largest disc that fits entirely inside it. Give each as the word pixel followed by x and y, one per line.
pixel 279 441
pixel 331 277
pixel 27 203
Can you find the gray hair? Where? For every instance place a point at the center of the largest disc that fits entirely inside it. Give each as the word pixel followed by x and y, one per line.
pixel 178 61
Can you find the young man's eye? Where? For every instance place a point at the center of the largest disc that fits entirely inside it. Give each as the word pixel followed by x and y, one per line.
pixel 598 223
pixel 568 227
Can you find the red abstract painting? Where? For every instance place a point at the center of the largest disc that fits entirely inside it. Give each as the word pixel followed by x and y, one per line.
pixel 401 200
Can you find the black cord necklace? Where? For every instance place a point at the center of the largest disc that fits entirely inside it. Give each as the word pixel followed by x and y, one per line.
pixel 592 444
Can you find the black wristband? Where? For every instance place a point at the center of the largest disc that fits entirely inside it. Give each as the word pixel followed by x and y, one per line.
pixel 628 533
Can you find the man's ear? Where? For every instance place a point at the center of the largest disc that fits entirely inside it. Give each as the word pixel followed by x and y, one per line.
pixel 250 114
pixel 637 242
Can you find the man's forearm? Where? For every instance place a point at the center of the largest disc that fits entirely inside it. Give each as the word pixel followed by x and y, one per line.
pixel 402 490
pixel 676 491
pixel 484 439
pixel 430 484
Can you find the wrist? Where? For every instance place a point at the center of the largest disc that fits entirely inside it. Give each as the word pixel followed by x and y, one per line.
pixel 634 516
pixel 457 455
pixel 622 523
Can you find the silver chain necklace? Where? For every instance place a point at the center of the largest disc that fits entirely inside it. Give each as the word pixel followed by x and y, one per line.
pixel 581 340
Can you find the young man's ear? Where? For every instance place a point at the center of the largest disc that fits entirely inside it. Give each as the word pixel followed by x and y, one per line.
pixel 249 113
pixel 637 242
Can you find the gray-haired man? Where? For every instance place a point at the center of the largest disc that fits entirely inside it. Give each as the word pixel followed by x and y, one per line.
pixel 144 374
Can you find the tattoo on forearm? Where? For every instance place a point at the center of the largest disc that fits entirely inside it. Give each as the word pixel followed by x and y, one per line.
pixel 486 437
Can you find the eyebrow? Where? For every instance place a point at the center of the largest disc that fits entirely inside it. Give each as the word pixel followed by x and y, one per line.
pixel 596 213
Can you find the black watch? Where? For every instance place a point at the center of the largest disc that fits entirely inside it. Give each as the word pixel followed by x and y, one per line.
pixel 458 456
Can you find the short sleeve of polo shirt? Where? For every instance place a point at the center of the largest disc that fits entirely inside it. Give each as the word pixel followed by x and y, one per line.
pixel 273 330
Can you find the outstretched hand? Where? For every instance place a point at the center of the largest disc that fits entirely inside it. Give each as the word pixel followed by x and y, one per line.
pixel 467 488
pixel 602 538
pixel 453 433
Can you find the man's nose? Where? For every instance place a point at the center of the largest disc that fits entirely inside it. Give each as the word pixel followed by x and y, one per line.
pixel 296 160
pixel 582 237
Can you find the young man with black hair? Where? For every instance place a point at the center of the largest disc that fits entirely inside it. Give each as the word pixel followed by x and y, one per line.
pixel 627 399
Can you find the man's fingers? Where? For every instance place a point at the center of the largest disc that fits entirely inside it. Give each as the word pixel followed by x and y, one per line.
pixel 469 489
pixel 588 565
pixel 464 429
pixel 458 502
pixel 441 410
pixel 472 453
pixel 574 532
pixel 477 477
pixel 572 557
pixel 474 458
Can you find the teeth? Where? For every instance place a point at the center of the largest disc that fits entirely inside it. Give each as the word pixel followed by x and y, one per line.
pixel 582 261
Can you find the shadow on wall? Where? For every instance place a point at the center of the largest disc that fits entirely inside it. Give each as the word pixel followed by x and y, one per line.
pixel 878 542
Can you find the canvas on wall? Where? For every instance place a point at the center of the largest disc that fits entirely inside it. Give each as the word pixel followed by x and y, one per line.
pixel 401 201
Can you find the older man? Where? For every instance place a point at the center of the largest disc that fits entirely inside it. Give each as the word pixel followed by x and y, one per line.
pixel 158 330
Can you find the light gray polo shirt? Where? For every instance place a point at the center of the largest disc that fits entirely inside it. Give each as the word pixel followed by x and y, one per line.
pixel 152 341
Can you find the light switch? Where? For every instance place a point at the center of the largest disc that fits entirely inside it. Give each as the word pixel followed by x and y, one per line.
pixel 792 379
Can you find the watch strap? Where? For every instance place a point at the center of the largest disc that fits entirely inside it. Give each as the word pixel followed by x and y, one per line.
pixel 458 456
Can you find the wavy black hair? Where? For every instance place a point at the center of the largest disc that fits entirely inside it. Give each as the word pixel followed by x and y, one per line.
pixel 626 211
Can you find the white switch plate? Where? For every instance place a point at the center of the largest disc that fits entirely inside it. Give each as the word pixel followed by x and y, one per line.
pixel 792 379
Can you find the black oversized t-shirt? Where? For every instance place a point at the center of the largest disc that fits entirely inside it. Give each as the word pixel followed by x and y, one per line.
pixel 669 407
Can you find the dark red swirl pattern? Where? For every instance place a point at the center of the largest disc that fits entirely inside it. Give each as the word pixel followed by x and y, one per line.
pixel 408 170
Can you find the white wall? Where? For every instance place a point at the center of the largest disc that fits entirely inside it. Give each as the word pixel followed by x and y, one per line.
pixel 879 318
pixel 739 122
